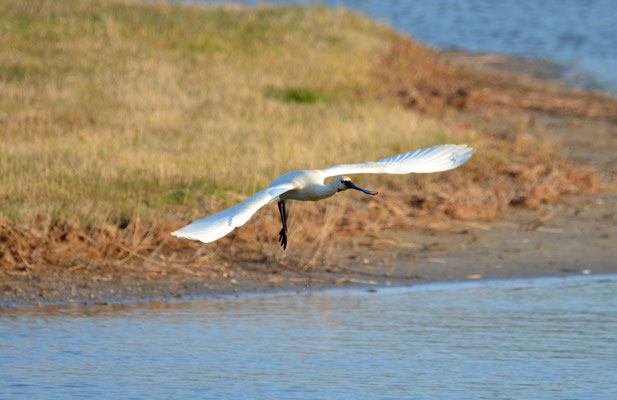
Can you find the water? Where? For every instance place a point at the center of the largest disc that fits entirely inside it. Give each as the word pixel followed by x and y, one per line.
pixel 549 338
pixel 581 34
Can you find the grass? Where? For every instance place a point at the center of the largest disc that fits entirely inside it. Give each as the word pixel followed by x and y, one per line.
pixel 116 111
pixel 114 108
pixel 295 94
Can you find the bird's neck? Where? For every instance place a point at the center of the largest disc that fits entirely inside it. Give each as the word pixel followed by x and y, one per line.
pixel 329 189
pixel 320 191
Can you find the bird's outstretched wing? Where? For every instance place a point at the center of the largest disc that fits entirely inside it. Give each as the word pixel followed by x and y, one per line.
pixel 431 159
pixel 220 224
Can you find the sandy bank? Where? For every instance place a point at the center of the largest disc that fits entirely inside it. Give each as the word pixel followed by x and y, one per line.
pixel 560 240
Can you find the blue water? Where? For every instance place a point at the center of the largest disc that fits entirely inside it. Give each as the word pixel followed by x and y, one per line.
pixel 581 34
pixel 524 339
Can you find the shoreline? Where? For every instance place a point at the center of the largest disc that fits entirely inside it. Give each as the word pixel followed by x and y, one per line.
pixel 360 288
pixel 517 247
pixel 545 70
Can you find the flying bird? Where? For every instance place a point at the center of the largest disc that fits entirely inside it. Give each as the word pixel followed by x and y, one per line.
pixel 309 185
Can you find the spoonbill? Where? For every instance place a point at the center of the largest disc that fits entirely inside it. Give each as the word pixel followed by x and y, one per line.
pixel 309 185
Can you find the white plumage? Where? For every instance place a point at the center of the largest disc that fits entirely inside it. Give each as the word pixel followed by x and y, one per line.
pixel 308 185
pixel 220 224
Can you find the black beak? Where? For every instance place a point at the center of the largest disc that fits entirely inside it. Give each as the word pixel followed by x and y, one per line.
pixel 351 185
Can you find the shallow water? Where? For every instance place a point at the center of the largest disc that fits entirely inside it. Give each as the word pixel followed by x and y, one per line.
pixel 542 338
pixel 580 34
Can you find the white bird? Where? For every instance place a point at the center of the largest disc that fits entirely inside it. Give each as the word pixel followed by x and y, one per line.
pixel 308 185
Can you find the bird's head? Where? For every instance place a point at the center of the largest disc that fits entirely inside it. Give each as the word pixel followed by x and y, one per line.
pixel 344 183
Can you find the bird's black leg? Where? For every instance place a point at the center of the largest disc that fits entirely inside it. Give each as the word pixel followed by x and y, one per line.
pixel 283 232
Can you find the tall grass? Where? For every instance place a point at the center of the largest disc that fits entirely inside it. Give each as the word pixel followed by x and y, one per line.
pixel 115 109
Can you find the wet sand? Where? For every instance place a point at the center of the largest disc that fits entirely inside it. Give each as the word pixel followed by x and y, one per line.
pixel 559 240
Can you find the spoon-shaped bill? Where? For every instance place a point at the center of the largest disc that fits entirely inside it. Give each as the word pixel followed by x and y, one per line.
pixel 351 185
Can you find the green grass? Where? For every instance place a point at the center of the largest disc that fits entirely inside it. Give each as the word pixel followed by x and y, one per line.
pixel 295 94
pixel 112 109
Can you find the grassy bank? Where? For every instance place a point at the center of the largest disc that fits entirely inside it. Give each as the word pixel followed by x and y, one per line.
pixel 116 110
pixel 121 121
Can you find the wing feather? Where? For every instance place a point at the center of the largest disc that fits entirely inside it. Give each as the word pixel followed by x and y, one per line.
pixel 217 225
pixel 431 159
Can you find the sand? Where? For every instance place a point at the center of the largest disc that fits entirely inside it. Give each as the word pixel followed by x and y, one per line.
pixel 559 240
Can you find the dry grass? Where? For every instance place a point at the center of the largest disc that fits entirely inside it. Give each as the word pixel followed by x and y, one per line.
pixel 116 109
pixel 120 121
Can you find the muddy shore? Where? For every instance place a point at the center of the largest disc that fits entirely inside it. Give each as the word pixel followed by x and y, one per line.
pixel 559 240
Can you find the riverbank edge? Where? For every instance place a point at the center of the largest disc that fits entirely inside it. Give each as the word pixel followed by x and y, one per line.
pixel 575 241
pixel 305 291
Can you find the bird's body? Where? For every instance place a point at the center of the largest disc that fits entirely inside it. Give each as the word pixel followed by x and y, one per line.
pixel 309 185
